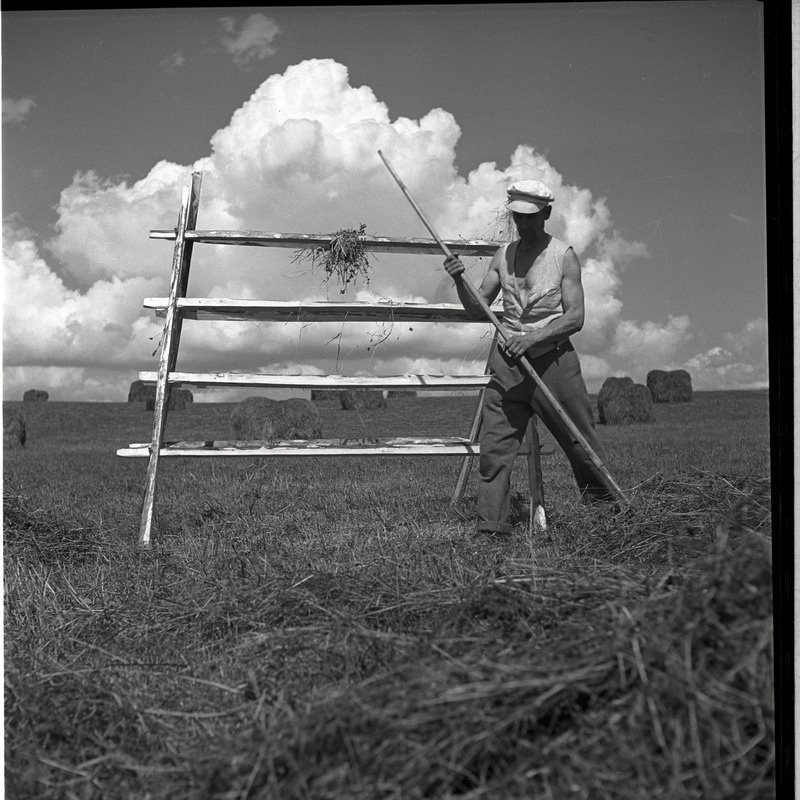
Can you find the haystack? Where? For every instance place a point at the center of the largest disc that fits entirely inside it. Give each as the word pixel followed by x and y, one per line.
pixel 610 388
pixel 324 395
pixel 260 418
pixel 179 399
pixel 139 392
pixel 624 403
pixel 670 387
pixel 35 396
pixel 14 434
pixel 361 398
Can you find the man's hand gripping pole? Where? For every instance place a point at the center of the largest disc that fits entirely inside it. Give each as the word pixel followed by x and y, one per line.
pixel 522 360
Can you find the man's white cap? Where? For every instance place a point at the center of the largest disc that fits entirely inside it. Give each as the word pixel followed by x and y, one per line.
pixel 528 197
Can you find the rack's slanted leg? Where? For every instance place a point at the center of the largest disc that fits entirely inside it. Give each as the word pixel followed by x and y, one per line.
pixel 181 259
pixel 466 464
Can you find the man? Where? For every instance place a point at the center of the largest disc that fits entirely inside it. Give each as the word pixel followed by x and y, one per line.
pixel 540 280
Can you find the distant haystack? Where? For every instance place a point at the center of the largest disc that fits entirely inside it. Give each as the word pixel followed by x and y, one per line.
pixel 139 392
pixel 179 399
pixel 361 398
pixel 623 402
pixel 14 434
pixel 610 388
pixel 259 418
pixel 670 387
pixel 324 395
pixel 35 396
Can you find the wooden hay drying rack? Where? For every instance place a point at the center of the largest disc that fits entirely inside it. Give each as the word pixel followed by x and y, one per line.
pixel 178 307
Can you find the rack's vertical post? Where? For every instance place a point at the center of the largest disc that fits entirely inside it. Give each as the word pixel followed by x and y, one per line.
pixel 181 259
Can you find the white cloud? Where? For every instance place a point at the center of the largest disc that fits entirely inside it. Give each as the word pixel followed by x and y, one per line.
pixel 300 156
pixel 742 364
pixel 17 111
pixel 173 63
pixel 51 330
pixel 650 345
pixel 253 40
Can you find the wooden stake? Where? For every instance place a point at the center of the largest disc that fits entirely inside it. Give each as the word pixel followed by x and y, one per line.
pixel 523 361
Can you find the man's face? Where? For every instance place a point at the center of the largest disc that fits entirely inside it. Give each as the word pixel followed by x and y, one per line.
pixel 531 225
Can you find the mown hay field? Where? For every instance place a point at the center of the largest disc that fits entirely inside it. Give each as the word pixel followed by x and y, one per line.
pixel 330 628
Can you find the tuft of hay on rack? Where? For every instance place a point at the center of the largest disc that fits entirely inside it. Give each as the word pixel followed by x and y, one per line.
pixel 356 399
pixel 673 386
pixel 14 433
pixel 263 419
pixel 35 396
pixel 623 402
pixel 343 258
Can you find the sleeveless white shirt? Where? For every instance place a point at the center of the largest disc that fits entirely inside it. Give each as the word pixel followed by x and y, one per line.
pixel 532 301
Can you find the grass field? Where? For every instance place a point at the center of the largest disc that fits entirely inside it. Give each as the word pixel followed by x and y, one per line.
pixel 331 628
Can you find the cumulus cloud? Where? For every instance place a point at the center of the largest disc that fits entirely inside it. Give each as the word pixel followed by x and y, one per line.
pixel 650 345
pixel 55 335
pixel 17 111
pixel 252 40
pixel 300 156
pixel 741 364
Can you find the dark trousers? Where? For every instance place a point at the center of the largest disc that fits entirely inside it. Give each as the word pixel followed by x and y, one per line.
pixel 510 399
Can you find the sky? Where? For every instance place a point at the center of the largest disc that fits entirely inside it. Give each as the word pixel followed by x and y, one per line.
pixel 645 119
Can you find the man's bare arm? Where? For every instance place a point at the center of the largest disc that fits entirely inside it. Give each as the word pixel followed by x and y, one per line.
pixel 488 289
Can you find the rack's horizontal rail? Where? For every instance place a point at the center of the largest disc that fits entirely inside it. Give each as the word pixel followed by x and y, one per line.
pixel 312 447
pixel 333 382
pixel 208 308
pixel 376 244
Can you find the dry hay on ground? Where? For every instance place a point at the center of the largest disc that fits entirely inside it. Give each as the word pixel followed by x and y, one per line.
pixel 35 396
pixel 34 534
pixel 623 402
pixel 561 683
pixel 674 386
pixel 361 398
pixel 14 433
pixel 260 418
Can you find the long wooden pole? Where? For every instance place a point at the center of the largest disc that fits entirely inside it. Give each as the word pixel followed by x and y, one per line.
pixel 523 361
